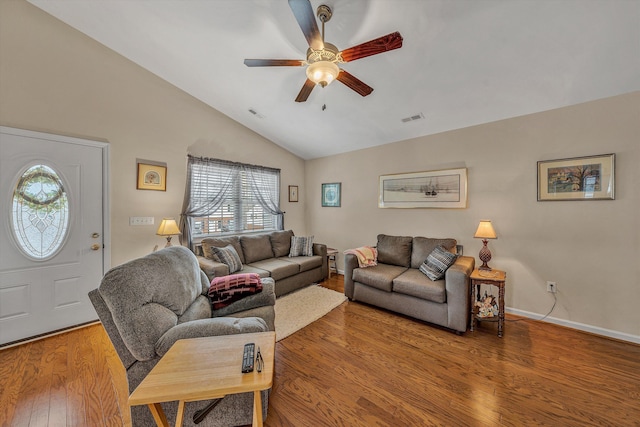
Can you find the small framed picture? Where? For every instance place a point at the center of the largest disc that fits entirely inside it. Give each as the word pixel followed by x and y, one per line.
pixel 578 178
pixel 293 193
pixel 152 177
pixel 331 195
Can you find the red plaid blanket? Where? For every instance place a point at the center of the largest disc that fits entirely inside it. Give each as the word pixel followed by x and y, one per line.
pixel 227 289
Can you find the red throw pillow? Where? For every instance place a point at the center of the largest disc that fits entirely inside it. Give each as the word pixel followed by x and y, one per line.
pixel 227 289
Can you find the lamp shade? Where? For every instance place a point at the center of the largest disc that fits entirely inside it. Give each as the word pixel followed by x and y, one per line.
pixel 485 230
pixel 168 227
pixel 322 72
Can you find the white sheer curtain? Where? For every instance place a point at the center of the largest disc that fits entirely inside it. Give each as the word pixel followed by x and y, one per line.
pixel 212 182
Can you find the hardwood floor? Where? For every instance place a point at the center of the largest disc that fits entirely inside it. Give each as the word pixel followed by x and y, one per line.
pixel 362 366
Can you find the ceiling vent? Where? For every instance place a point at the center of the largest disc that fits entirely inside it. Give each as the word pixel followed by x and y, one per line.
pixel 255 113
pixel 412 118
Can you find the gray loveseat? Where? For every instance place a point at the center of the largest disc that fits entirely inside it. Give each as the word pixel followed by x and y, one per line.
pixel 397 284
pixel 268 255
pixel 148 304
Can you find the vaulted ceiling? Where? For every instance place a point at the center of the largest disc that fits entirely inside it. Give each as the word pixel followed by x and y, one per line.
pixel 462 62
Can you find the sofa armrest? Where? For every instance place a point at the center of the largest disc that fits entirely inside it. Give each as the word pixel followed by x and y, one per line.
pixel 212 268
pixel 320 249
pixel 350 264
pixel 209 328
pixel 457 287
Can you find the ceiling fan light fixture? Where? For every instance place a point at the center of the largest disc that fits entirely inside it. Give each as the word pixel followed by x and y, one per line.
pixel 322 72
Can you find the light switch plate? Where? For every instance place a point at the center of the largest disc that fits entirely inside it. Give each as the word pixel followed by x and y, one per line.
pixel 141 220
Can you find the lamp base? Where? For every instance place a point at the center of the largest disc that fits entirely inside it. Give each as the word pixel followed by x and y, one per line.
pixel 485 256
pixel 169 242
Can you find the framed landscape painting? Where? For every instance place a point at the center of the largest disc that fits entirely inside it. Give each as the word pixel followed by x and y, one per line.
pixel 578 178
pixel 431 189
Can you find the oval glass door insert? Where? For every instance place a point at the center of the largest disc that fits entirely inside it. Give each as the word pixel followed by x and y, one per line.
pixel 40 210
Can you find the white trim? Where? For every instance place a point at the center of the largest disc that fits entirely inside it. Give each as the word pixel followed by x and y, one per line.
pixel 579 326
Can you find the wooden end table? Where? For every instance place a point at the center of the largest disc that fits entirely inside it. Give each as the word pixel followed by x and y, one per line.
pixel 332 261
pixel 488 277
pixel 206 368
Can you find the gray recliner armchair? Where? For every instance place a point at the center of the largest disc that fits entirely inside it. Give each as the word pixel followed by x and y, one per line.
pixel 147 304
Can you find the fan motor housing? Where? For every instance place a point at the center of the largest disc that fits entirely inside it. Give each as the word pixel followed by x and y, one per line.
pixel 329 53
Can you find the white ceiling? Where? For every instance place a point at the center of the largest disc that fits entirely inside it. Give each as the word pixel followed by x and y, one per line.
pixel 463 62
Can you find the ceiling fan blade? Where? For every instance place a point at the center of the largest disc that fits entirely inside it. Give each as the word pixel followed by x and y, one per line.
pixel 303 12
pixel 373 47
pixel 354 83
pixel 273 62
pixel 305 91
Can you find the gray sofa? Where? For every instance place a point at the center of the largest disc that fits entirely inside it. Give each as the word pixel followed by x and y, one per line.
pixel 148 304
pixel 397 284
pixel 268 255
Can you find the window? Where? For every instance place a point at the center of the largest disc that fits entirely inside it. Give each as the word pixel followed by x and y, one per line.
pixel 40 212
pixel 230 198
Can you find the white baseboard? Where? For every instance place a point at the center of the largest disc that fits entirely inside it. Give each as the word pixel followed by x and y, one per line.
pixel 575 325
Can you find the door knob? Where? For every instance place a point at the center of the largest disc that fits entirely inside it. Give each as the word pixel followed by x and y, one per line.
pixel 95 235
pixel 95 247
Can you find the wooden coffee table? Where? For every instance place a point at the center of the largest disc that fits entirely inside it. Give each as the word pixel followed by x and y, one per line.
pixel 206 368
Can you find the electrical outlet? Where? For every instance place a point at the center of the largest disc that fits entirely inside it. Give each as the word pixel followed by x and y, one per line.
pixel 141 220
pixel 552 287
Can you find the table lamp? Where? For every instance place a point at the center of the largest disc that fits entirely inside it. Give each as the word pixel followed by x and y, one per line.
pixel 168 228
pixel 485 231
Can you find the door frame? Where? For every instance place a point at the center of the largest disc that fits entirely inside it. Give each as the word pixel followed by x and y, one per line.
pixel 106 206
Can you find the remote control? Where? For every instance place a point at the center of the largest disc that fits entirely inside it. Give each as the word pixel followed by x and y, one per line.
pixel 247 357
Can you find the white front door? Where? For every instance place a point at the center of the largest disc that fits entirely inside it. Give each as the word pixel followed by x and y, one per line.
pixel 51 232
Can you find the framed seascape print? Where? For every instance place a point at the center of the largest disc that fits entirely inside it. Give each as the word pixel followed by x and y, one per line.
pixel 431 189
pixel 293 193
pixel 578 178
pixel 152 177
pixel 331 195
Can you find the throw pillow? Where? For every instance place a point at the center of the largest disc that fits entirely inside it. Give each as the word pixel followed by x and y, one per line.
pixel 227 255
pixel 437 263
pixel 301 246
pixel 227 289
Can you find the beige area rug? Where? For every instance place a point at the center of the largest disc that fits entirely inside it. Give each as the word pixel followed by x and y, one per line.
pixel 296 310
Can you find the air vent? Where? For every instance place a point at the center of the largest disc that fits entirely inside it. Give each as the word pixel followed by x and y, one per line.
pixel 412 118
pixel 255 113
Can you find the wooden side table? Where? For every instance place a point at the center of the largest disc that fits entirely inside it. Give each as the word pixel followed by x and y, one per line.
pixel 332 255
pixel 488 277
pixel 206 368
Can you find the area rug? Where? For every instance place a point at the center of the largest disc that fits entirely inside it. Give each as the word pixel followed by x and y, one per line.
pixel 298 309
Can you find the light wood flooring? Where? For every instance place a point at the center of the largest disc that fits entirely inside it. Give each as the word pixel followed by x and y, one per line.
pixel 362 366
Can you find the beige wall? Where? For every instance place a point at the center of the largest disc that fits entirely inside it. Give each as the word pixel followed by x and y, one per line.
pixel 55 79
pixel 591 248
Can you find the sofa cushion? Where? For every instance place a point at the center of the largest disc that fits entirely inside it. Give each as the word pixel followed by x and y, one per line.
pixel 301 246
pixel 281 242
pixel 221 242
pixel 225 290
pixel 423 246
pixel 305 263
pixel 277 268
pixel 412 282
pixel 379 276
pixel 437 263
pixel 256 248
pixel 228 256
pixel 394 250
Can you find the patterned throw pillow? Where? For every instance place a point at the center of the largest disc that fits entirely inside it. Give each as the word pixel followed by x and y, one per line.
pixel 227 255
pixel 437 263
pixel 301 246
pixel 227 289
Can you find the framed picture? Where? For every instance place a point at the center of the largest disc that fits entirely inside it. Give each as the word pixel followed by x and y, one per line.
pixel 431 189
pixel 293 193
pixel 331 194
pixel 578 178
pixel 152 177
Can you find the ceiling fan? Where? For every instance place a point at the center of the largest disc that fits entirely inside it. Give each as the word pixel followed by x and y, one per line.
pixel 322 57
